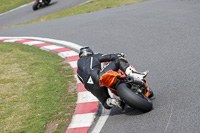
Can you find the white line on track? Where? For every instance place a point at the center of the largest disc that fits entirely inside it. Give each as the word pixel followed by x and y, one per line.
pixel 101 121
pixel 169 118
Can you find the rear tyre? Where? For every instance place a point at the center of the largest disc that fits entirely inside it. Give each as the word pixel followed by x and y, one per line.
pixel 133 100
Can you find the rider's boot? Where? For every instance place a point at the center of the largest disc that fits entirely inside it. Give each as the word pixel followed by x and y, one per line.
pixel 115 102
pixel 130 71
pixel 138 77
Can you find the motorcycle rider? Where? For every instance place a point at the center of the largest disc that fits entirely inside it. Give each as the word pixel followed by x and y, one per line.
pixel 89 73
pixel 40 3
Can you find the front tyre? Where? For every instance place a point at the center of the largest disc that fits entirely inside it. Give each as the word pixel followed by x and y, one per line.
pixel 36 5
pixel 133 100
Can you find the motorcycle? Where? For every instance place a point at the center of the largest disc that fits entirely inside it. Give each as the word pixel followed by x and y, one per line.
pixel 133 92
pixel 40 3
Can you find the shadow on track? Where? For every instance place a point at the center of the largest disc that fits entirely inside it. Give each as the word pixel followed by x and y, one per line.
pixel 130 111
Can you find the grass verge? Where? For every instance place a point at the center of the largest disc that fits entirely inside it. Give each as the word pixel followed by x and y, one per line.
pixel 7 5
pixel 92 6
pixel 37 90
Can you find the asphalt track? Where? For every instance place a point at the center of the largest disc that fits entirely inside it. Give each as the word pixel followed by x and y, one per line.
pixel 162 36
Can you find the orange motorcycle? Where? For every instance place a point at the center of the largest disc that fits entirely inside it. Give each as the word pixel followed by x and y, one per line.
pixel 133 92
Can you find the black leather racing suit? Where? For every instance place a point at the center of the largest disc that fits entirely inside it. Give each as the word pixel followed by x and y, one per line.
pixel 89 73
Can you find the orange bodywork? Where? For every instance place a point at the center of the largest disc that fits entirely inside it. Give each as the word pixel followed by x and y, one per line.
pixel 147 93
pixel 109 78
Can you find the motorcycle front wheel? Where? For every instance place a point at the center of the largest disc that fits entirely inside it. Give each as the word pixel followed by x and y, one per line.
pixel 36 5
pixel 132 99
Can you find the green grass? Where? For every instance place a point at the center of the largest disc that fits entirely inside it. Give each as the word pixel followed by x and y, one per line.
pixel 7 5
pixel 36 88
pixel 92 6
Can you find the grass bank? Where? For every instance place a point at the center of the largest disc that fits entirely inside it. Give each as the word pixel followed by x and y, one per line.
pixel 7 5
pixel 37 90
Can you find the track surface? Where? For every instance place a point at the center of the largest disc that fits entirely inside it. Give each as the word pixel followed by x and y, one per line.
pixel 162 36
pixel 26 13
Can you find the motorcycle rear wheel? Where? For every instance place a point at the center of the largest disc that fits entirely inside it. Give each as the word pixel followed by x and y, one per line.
pixel 132 99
